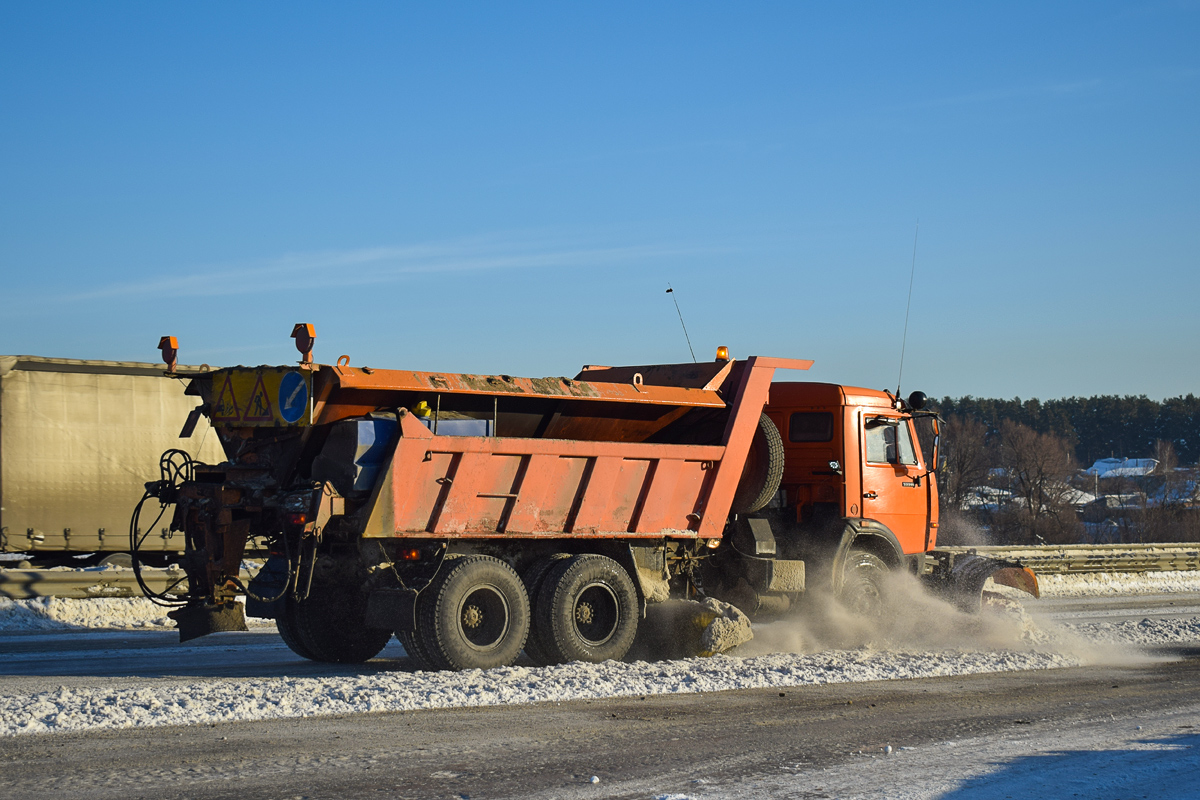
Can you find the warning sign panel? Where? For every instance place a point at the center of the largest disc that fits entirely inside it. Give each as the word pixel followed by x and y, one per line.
pixel 266 396
pixel 258 407
pixel 225 405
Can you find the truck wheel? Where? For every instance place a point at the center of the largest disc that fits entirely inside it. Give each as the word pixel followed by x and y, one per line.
pixel 415 648
pixel 863 589
pixel 329 625
pixel 285 623
pixel 534 577
pixel 763 470
pixel 587 610
pixel 476 615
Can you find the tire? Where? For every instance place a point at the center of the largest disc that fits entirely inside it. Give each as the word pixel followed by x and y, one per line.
pixel 329 625
pixel 286 626
pixel 476 615
pixel 863 591
pixel 587 610
pixel 534 577
pixel 763 470
pixel 416 650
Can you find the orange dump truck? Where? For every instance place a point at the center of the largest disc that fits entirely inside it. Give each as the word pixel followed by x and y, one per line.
pixel 478 516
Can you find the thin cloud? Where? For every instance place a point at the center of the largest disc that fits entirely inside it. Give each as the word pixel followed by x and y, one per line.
pixel 377 265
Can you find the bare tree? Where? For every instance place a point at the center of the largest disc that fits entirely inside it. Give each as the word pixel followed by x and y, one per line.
pixel 965 462
pixel 1165 514
pixel 1038 467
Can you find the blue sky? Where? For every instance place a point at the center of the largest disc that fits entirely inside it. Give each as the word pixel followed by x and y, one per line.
pixel 511 187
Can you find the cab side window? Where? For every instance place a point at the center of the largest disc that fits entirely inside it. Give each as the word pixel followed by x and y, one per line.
pixel 890 444
pixel 881 444
pixel 908 453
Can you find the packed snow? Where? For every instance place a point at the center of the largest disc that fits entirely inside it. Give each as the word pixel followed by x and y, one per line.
pixel 187 703
pixel 930 639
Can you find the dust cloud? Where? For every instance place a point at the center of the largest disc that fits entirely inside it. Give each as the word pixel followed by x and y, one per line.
pixel 918 620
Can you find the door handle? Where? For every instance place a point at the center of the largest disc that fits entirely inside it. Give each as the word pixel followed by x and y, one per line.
pixel 870 495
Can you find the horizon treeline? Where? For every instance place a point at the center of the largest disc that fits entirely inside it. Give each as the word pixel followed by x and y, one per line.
pixel 1104 426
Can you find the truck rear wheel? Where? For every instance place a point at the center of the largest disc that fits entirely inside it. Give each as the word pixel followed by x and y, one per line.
pixel 285 623
pixel 330 625
pixel 534 577
pixel 863 590
pixel 412 645
pixel 587 610
pixel 475 615
pixel 763 471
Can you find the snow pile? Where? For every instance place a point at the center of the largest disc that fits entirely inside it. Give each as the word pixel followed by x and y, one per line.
pixel 113 613
pixel 1143 632
pixel 57 613
pixel 74 709
pixel 1099 584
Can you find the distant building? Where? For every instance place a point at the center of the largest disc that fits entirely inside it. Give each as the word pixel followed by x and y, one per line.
pixel 1122 468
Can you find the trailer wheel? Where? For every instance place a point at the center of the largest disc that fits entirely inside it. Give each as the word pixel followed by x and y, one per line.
pixel 329 625
pixel 587 610
pixel 476 615
pixel 763 471
pixel 534 577
pixel 863 589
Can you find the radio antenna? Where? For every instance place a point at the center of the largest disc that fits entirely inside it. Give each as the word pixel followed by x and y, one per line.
pixel 671 292
pixel 908 306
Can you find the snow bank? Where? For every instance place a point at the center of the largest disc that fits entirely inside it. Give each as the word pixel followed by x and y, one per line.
pixel 1141 632
pixel 75 709
pixel 58 613
pixel 1098 584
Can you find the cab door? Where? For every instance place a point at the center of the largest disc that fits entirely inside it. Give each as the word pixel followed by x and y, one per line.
pixel 892 493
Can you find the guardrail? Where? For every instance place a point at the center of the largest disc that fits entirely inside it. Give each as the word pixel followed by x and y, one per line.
pixel 1075 558
pixel 94 582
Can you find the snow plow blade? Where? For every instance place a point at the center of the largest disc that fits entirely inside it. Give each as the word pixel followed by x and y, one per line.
pixel 1018 578
pixel 960 577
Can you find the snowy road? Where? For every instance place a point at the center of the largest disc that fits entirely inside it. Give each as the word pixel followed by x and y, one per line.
pixel 966 703
pixel 1101 732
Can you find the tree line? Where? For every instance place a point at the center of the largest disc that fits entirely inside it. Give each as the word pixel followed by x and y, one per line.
pixel 1097 427
pixel 1010 469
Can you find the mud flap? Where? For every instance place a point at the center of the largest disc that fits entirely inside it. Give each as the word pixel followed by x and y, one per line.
pixel 960 577
pixel 393 610
pixel 199 620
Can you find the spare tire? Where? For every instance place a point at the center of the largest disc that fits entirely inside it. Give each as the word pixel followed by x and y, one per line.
pixel 763 470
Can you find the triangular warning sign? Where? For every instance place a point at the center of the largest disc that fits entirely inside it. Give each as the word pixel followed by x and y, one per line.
pixel 258 407
pixel 225 407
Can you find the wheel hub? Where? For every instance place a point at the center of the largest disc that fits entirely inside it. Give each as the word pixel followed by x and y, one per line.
pixel 472 616
pixel 584 613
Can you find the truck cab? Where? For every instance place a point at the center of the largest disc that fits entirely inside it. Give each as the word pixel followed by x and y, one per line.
pixel 853 454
